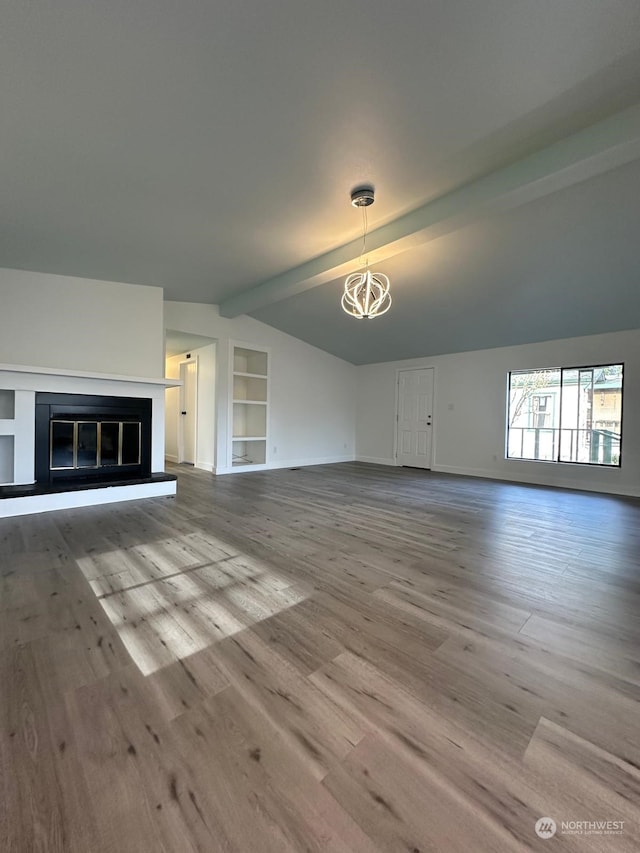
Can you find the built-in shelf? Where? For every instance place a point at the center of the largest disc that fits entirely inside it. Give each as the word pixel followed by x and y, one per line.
pixel 6 459
pixel 249 438
pixel 249 410
pixel 13 432
pixel 249 361
pixel 247 388
pixel 7 405
pixel 248 451
pixel 249 420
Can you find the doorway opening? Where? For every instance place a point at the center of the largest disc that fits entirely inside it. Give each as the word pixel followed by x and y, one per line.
pixel 188 420
pixel 190 428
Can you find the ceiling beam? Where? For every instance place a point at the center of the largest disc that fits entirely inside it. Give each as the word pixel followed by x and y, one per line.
pixel 590 152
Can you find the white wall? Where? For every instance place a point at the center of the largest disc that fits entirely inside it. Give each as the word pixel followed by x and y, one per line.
pixel 312 393
pixel 470 405
pixel 206 421
pixel 80 324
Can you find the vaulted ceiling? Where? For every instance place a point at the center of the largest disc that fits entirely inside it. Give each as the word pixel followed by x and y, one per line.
pixel 210 148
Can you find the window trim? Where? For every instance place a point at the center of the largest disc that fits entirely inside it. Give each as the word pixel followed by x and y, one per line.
pixel 558 461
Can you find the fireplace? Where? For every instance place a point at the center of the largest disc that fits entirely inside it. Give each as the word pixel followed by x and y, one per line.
pixel 91 438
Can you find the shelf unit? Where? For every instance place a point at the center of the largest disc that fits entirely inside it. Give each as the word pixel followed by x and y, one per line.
pixel 249 408
pixel 7 436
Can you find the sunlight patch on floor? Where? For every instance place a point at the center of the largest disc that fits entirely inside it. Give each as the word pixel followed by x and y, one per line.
pixel 174 597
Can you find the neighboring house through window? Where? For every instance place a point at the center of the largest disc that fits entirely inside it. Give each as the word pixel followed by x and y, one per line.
pixel 553 417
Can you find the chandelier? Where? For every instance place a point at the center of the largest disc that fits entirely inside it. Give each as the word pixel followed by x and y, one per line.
pixel 366 294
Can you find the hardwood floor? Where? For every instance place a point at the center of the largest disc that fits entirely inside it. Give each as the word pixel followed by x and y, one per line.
pixel 346 658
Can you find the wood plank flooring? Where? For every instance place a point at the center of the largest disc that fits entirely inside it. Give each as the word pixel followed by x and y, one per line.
pixel 338 658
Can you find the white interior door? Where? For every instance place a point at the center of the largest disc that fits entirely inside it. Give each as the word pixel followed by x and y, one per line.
pixel 415 408
pixel 188 411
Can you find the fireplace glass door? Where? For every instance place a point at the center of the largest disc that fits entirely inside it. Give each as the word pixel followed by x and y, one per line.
pixel 94 444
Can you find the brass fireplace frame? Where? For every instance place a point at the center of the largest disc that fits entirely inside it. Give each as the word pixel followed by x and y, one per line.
pixel 98 424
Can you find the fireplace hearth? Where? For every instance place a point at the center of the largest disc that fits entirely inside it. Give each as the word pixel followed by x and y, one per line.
pixel 91 438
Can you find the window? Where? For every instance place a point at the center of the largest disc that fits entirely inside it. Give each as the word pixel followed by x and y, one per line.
pixel 541 410
pixel 553 416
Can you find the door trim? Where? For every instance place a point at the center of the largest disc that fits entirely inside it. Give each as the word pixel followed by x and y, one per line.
pixel 400 370
pixel 192 360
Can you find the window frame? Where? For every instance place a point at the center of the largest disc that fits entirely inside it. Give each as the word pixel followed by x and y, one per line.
pixel 558 461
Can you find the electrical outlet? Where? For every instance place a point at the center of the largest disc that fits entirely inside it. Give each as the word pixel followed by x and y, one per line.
pixel 275 449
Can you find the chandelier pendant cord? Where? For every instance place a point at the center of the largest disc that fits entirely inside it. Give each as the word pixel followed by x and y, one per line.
pixel 365 228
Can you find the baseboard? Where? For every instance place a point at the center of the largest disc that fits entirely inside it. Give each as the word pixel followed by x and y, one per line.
pixel 532 480
pixel 170 458
pixel 239 469
pixel 376 460
pixel 289 463
pixel 305 463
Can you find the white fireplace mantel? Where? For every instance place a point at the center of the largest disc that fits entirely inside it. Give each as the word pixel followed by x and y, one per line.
pixel 80 374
